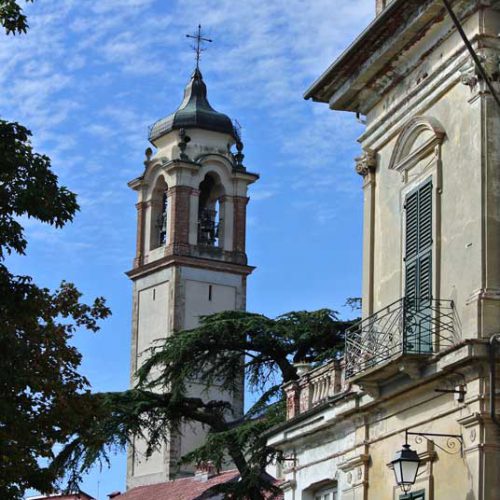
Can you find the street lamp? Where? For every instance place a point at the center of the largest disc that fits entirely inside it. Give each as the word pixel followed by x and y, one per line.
pixel 406 464
pixel 406 461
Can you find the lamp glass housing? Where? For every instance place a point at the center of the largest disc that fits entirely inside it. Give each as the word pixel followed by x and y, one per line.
pixel 406 463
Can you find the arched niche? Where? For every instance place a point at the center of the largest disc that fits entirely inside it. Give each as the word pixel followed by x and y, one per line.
pixel 158 220
pixel 211 210
pixel 219 166
pixel 420 137
pixel 151 176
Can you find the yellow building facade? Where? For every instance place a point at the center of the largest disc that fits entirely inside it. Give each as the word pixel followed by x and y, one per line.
pixel 421 365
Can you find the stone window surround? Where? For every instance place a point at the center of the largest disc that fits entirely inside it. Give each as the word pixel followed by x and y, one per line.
pixel 403 160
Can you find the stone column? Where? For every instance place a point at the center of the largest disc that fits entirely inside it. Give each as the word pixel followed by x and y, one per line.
pixel 365 166
pixel 139 245
pixel 292 392
pixel 239 226
pixel 227 215
pixel 489 312
pixel 194 200
pixel 179 201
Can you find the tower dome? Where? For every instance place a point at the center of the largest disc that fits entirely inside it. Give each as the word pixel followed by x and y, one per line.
pixel 194 112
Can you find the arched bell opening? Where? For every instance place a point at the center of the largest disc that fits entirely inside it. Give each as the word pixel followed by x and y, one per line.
pixel 211 211
pixel 159 214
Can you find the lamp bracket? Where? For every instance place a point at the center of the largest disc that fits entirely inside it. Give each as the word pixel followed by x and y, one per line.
pixel 460 391
pixel 450 442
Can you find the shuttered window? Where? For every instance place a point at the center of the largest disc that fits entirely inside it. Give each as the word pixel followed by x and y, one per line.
pixel 419 495
pixel 418 268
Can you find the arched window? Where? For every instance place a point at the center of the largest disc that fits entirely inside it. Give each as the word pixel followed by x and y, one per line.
pixel 159 214
pixel 161 222
pixel 210 229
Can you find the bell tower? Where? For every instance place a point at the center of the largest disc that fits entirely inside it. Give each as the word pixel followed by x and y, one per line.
pixel 190 259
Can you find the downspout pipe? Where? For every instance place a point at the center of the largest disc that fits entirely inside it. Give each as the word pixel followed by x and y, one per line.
pixel 494 341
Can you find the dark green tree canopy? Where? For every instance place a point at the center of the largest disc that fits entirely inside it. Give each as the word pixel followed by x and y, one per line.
pixel 218 350
pixel 12 18
pixel 41 390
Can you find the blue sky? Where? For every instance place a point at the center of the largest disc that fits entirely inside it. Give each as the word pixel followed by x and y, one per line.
pixel 92 75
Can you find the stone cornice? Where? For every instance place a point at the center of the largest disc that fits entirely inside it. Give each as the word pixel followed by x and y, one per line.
pixel 248 177
pixel 444 77
pixel 176 260
pixel 354 462
pixel 180 164
pixel 136 183
pixel 399 24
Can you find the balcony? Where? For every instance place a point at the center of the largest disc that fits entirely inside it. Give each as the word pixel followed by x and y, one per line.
pixel 314 387
pixel 399 338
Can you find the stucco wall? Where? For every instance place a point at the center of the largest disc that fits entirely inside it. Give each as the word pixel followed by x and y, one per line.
pixel 456 211
pixel 164 301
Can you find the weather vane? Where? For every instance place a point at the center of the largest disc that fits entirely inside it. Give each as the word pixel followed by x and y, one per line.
pixel 198 47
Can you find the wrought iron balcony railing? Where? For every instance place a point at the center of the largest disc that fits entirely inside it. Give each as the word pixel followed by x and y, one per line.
pixel 416 327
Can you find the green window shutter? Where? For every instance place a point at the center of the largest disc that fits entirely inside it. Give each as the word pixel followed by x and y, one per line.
pixel 425 278
pixel 418 270
pixel 411 207
pixel 411 282
pixel 419 495
pixel 418 244
pixel 425 217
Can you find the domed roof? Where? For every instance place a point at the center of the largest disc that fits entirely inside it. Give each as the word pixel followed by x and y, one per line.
pixel 194 112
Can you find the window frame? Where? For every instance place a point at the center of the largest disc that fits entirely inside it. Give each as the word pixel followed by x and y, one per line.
pixel 413 495
pixel 330 490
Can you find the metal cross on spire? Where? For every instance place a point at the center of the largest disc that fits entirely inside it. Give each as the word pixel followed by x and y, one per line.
pixel 198 47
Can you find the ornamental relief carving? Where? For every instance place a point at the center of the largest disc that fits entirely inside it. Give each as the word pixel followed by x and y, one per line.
pixel 366 163
pixel 490 60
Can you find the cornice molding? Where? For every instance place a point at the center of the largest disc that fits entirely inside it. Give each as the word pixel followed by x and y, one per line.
pixel 176 260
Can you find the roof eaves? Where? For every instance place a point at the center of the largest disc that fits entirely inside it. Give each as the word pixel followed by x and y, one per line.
pixel 379 31
pixel 358 43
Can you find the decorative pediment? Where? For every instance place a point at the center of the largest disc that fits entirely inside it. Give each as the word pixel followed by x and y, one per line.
pixel 419 138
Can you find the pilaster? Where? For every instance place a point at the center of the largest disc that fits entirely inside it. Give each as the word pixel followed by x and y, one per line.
pixel 139 254
pixel 239 226
pixel 366 166
pixel 194 199
pixel 489 320
pixel 179 201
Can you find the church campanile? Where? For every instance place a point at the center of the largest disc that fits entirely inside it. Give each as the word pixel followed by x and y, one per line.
pixel 190 259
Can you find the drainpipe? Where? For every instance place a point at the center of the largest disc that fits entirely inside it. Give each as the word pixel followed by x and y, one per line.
pixel 494 340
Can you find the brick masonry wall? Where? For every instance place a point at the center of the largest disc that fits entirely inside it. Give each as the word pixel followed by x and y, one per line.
pixel 239 228
pixel 179 200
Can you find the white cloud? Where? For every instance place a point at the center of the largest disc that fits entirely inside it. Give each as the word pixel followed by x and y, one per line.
pixel 91 76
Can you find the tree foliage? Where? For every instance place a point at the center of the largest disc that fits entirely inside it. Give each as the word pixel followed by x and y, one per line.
pixel 43 399
pixel 217 351
pixel 41 391
pixel 12 18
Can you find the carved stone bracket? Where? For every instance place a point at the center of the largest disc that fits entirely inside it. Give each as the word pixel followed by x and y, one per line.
pixel 371 388
pixel 356 470
pixel 490 60
pixel 366 163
